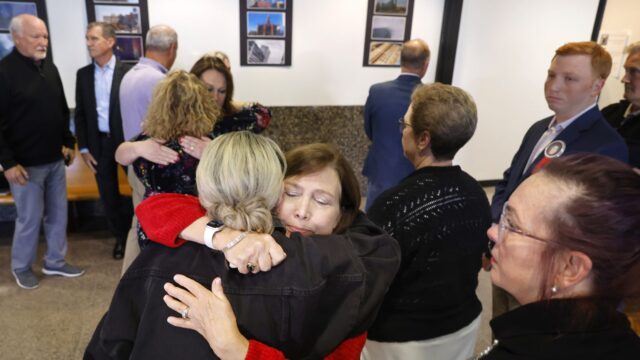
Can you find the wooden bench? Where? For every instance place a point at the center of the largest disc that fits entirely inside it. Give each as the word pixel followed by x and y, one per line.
pixel 81 183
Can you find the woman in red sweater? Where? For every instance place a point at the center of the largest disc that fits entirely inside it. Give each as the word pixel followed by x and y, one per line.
pixel 321 196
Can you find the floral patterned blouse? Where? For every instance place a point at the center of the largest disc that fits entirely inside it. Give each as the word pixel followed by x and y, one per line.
pixel 180 177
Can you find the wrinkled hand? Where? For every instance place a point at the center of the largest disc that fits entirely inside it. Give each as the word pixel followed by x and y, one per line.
pixel 261 250
pixel 194 146
pixel 68 153
pixel 155 152
pixel 17 175
pixel 210 314
pixel 90 161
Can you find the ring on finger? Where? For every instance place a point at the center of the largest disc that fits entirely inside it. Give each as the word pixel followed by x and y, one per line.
pixel 251 267
pixel 185 313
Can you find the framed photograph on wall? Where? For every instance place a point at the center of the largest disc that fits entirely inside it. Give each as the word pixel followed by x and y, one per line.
pixel 269 5
pixel 131 20
pixel 388 26
pixel 9 9
pixel 266 24
pixel 126 19
pixel 265 32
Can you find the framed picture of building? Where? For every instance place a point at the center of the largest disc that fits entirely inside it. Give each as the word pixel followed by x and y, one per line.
pixel 265 32
pixel 9 9
pixel 131 20
pixel 388 26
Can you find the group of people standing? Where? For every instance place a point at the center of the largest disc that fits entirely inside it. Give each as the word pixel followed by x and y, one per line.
pixel 295 269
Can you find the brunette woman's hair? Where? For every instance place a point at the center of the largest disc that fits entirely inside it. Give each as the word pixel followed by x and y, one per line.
pixel 308 159
pixel 599 217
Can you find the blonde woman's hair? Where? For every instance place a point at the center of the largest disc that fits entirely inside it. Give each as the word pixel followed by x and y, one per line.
pixel 240 179
pixel 181 106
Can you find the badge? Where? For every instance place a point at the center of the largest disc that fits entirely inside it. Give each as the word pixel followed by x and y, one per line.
pixel 555 149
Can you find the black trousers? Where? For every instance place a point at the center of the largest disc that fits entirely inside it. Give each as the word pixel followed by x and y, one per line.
pixel 117 208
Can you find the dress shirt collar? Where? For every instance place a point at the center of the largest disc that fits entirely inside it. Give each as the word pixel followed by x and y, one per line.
pixel 409 74
pixel 108 66
pixel 565 124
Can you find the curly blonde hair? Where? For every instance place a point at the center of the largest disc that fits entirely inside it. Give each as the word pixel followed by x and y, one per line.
pixel 240 179
pixel 180 106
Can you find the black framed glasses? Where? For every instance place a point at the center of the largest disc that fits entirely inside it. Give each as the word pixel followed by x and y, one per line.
pixel 402 124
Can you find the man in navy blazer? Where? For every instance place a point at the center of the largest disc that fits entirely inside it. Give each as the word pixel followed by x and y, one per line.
pixel 387 102
pixel 574 80
pixel 99 126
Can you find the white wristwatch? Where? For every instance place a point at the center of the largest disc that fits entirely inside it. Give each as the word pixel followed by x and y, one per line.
pixel 212 228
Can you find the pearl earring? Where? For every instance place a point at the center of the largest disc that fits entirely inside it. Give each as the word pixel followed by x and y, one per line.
pixel 554 289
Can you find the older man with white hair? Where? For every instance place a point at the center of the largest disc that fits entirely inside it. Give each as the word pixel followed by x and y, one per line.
pixel 624 116
pixel 35 144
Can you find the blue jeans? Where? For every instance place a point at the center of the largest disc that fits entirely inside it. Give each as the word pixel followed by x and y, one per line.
pixel 42 200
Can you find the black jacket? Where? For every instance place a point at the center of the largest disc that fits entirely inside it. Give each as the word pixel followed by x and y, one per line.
pixel 86 116
pixel 563 329
pixel 327 290
pixel 629 128
pixel 34 116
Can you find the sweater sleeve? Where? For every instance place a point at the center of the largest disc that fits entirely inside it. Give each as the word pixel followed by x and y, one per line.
pixel 164 216
pixel 347 350
pixel 260 351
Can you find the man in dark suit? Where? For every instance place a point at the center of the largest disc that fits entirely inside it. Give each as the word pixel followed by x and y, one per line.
pixel 387 102
pixel 574 80
pixel 625 115
pixel 99 126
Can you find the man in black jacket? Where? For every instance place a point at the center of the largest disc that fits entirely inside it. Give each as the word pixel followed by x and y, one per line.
pixel 99 126
pixel 35 143
pixel 625 115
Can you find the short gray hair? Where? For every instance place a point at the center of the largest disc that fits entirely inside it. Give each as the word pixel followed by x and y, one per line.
pixel 447 113
pixel 16 24
pixel 633 48
pixel 161 37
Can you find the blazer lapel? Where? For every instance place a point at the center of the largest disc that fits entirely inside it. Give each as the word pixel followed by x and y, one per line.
pixel 532 140
pixel 91 87
pixel 571 133
pixel 115 83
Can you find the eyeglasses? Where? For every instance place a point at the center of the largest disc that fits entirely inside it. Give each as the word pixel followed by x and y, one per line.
pixel 503 227
pixel 403 124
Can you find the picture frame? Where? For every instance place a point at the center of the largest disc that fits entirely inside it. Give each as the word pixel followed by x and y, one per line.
pixel 388 27
pixel 126 19
pixel 128 48
pixel 384 53
pixel 6 44
pixel 265 32
pixel 266 4
pixel 131 19
pixel 9 9
pixel 265 52
pixel 266 24
pixel 386 7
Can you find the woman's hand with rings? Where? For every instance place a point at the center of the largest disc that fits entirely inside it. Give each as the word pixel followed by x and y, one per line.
pixel 194 146
pixel 255 253
pixel 207 312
